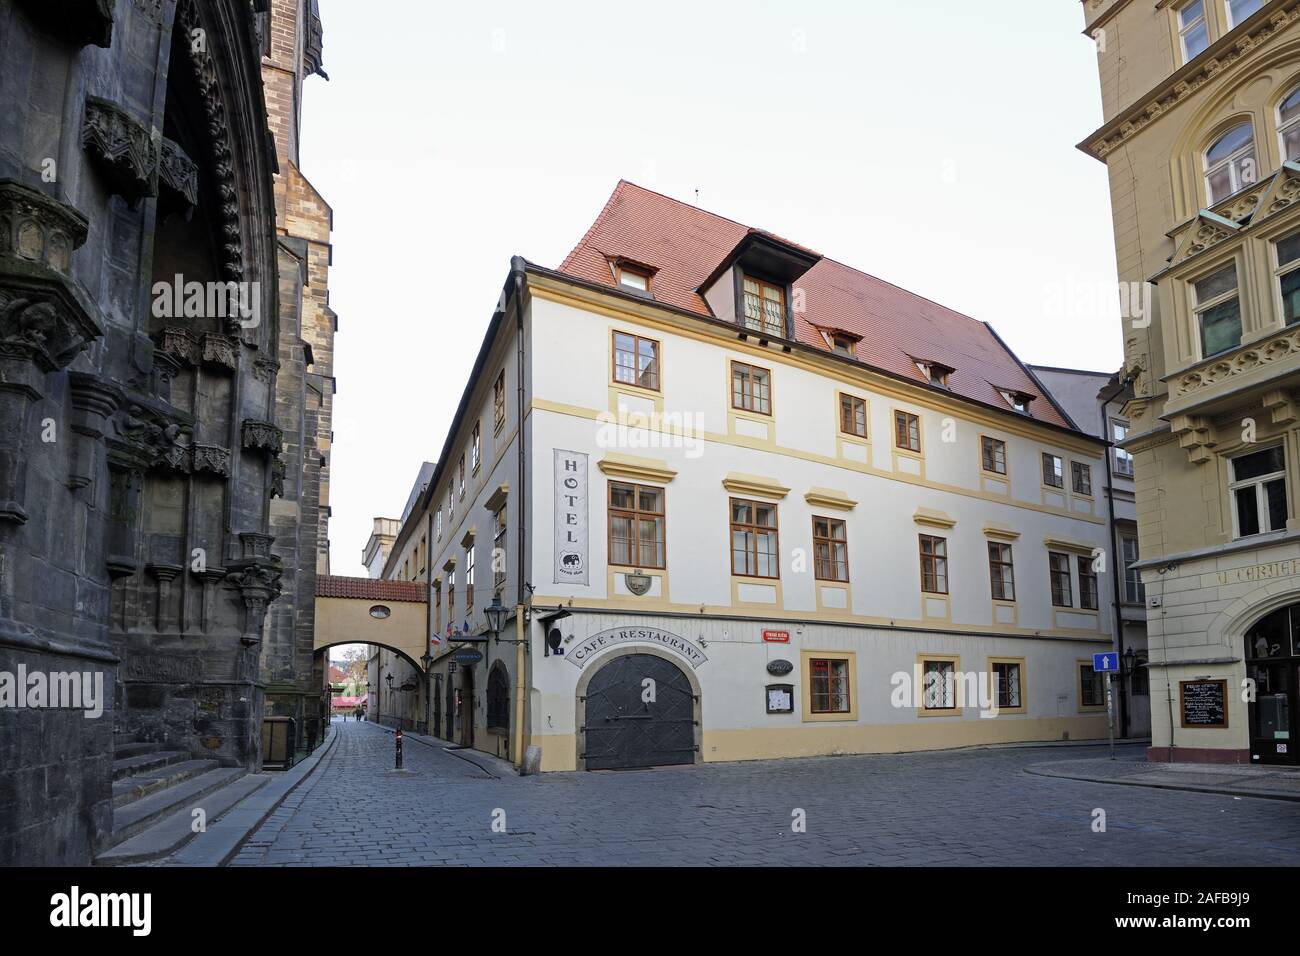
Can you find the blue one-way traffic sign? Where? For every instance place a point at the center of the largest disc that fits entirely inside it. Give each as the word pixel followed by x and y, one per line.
pixel 1107 663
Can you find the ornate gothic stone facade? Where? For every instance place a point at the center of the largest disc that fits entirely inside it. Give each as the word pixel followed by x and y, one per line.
pixel 141 428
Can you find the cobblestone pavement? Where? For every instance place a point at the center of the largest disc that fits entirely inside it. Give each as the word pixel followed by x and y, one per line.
pixel 974 807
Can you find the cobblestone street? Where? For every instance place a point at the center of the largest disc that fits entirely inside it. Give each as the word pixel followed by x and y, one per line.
pixel 963 808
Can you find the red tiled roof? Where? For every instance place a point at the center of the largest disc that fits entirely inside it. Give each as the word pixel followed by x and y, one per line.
pixel 370 589
pixel 686 244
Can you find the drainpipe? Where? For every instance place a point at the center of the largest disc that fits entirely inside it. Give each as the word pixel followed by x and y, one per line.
pixel 428 624
pixel 1115 558
pixel 517 277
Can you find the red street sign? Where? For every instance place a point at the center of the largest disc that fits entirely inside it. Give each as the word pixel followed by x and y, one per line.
pixel 776 637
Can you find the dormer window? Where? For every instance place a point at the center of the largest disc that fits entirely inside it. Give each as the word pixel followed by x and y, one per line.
pixel 1017 400
pixel 630 277
pixel 936 374
pixel 764 307
pixel 843 345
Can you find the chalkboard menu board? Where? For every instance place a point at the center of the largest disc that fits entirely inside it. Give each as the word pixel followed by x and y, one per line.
pixel 1205 702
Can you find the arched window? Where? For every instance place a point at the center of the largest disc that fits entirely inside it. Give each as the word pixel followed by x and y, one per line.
pixel 1230 164
pixel 1288 122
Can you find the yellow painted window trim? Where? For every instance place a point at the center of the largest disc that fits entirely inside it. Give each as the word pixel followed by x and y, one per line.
pixel 829 498
pixel 1078 679
pixel 806 657
pixel 497 500
pixel 762 487
pixel 1024 696
pixel 933 518
pixel 1065 544
pixel 921 710
pixel 1000 531
pixel 634 468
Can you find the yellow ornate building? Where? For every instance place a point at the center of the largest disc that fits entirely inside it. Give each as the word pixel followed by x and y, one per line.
pixel 1201 138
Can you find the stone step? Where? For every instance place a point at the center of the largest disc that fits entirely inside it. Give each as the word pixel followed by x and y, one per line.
pixel 142 763
pixel 133 748
pixel 140 785
pixel 138 815
pixel 172 831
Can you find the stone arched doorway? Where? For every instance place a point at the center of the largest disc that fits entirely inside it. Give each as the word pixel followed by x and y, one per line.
pixel 638 708
pixel 1272 654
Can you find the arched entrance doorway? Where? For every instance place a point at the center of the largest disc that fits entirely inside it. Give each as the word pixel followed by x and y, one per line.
pixel 1272 653
pixel 637 710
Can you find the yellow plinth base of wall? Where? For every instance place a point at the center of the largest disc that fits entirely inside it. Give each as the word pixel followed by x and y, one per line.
pixel 559 751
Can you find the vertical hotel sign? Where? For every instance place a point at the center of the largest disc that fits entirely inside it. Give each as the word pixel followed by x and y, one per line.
pixel 570 517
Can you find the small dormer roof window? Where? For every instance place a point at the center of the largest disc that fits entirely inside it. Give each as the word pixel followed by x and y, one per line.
pixel 632 276
pixel 935 372
pixel 1017 400
pixel 842 343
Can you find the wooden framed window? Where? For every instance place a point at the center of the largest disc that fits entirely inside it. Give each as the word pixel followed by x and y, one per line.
pixel 475 448
pixel 939 684
pixel 636 525
pixel 1008 684
pixel 451 597
pixel 437 607
pixel 844 345
pixel 437 525
pixel 1218 311
pixel 1058 566
pixel 499 543
pixel 828 692
pixel 636 361
pixel 451 510
pixel 461 473
pixel 1092 687
pixel 830 549
pixel 630 277
pixel 993 455
pixel 764 307
pixel 907 431
pixel 1087 584
pixel 755 546
pixel 934 564
pixel 1002 572
pixel 1081 478
pixel 469 578
pixel 499 401
pixel 1053 471
pixel 751 388
pixel 853 415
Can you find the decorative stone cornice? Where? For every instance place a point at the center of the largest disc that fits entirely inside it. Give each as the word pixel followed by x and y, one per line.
pixel 139 436
pixel 178 178
pixel 1001 532
pixel 218 349
pixel 80 21
pixel 1065 544
pixel 178 343
pixel 262 435
pixel 1205 230
pixel 1186 82
pixel 1235 216
pixel 121 147
pixel 933 518
pixel 1285 344
pixel 44 316
pixel 213 459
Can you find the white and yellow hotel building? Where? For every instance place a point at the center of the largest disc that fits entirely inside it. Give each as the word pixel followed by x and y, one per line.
pixel 760 494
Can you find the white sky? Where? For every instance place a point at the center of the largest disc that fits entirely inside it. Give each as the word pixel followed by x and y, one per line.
pixel 928 142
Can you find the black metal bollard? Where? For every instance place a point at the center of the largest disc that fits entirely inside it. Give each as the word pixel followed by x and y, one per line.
pixel 398 738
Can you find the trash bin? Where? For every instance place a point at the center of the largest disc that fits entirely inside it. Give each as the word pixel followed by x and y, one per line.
pixel 279 741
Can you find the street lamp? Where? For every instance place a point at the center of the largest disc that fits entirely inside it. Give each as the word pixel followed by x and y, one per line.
pixel 495 613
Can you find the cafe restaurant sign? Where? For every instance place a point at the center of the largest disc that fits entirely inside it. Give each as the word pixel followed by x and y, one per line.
pixel 1260 572
pixel 583 651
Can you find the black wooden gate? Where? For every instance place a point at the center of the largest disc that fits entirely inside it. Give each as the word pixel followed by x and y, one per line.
pixel 625 728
